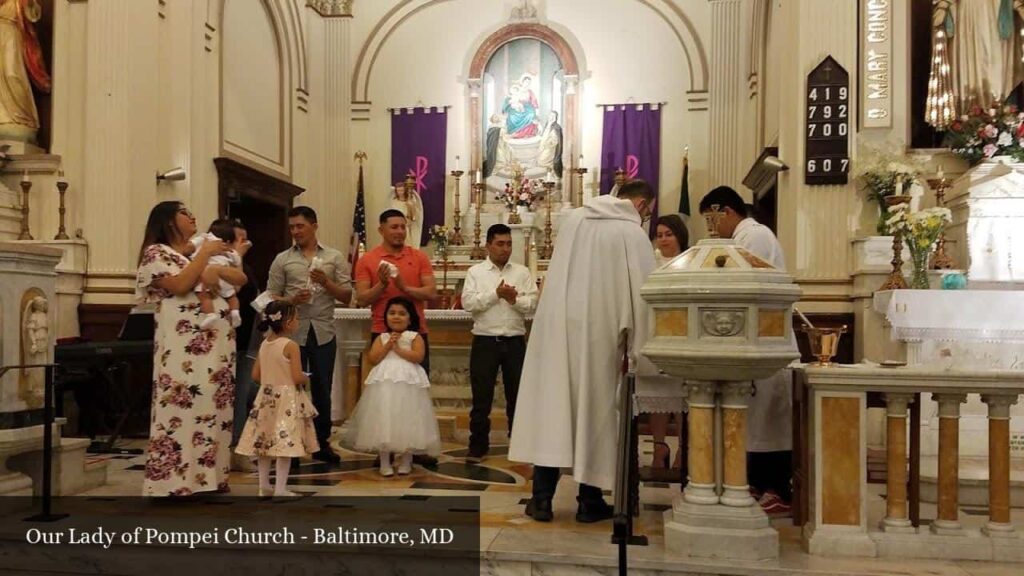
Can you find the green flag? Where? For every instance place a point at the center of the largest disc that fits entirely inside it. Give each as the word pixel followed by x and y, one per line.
pixel 684 193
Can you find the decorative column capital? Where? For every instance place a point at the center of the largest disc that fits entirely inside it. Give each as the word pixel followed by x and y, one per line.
pixel 896 403
pixel 999 405
pixel 701 394
pixel 331 8
pixel 736 395
pixel 949 404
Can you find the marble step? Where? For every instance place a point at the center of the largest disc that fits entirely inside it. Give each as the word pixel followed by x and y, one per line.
pixel 72 473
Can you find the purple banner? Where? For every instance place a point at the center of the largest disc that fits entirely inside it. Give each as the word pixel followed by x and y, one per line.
pixel 632 142
pixel 418 139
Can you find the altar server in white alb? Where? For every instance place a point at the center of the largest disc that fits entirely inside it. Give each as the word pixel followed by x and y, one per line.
pixel 770 415
pixel 589 316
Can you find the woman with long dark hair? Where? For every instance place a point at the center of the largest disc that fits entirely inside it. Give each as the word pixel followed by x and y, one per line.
pixel 193 368
pixel 671 240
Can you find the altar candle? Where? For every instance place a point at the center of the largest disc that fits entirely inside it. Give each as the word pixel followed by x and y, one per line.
pixel 24 177
pixel 899 188
pixel 940 172
pixel 580 165
pixel 456 163
pixel 60 177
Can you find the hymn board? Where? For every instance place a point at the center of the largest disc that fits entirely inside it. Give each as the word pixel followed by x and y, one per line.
pixel 828 124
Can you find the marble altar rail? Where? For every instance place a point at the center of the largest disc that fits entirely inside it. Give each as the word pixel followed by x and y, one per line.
pixel 837 519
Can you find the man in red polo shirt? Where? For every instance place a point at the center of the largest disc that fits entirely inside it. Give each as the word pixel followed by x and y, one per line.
pixel 415 280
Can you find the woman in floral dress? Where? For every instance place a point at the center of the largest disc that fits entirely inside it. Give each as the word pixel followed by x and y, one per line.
pixel 193 369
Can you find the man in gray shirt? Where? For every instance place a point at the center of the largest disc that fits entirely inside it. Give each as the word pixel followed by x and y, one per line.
pixel 313 277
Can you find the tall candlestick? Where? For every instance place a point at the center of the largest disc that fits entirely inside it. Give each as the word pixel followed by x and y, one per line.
pixel 457 239
pixel 477 253
pixel 548 248
pixel 26 185
pixel 62 187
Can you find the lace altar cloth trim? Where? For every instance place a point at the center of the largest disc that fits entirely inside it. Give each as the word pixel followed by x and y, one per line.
pixel 957 315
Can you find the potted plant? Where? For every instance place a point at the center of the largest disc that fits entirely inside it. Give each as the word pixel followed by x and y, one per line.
pixel 886 173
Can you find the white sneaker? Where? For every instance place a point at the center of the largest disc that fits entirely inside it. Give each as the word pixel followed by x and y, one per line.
pixel 236 319
pixel 405 464
pixel 208 321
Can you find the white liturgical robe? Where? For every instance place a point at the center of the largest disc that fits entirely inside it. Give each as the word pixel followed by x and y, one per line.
pixel 770 416
pixel 590 313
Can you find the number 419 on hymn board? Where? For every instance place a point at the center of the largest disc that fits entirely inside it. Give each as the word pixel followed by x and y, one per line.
pixel 828 125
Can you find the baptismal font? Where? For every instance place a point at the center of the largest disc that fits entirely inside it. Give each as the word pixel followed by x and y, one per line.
pixel 722 318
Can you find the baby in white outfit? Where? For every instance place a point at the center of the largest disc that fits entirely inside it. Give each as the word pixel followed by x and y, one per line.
pixel 230 259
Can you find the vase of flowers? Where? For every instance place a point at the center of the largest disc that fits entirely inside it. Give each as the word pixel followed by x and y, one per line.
pixel 441 236
pixel 888 173
pixel 921 230
pixel 981 134
pixel 520 195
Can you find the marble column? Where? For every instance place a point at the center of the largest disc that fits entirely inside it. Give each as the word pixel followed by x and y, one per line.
pixel 896 471
pixel 735 399
pixel 700 488
pixel 338 193
pixel 999 525
pixel 728 156
pixel 949 464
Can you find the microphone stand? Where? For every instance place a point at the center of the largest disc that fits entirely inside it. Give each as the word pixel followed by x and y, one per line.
pixel 626 475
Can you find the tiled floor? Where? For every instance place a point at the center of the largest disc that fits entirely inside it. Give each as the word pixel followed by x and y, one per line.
pixel 509 538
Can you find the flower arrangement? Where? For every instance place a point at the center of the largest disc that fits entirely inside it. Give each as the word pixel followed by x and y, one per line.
pixel 921 230
pixel 441 236
pixel 886 172
pixel 981 134
pixel 521 191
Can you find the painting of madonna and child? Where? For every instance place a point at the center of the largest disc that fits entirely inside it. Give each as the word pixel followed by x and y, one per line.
pixel 523 101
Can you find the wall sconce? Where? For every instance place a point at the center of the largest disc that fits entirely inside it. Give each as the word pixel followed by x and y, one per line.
pixel 775 163
pixel 174 174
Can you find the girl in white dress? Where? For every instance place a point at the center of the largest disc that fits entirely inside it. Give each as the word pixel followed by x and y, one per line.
pixel 280 424
pixel 395 414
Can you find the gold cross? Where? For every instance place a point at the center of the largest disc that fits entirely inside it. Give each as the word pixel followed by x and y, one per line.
pixel 711 219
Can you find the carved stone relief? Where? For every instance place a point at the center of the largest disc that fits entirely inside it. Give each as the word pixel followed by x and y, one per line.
pixel 723 322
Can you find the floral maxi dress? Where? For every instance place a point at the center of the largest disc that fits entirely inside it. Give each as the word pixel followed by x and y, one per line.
pixel 193 386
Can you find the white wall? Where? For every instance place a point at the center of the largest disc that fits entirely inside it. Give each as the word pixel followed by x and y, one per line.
pixel 137 90
pixel 625 48
pixel 253 90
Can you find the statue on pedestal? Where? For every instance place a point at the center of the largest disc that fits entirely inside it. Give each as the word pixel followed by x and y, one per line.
pixel 21 61
pixel 985 46
pixel 35 349
pixel 406 200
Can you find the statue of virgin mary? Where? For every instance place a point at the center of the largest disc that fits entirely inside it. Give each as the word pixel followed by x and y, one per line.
pixel 21 61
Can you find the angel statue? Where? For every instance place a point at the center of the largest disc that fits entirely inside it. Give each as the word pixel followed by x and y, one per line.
pixel 21 62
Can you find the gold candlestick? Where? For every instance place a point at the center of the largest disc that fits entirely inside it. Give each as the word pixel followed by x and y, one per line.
pixel 896 281
pixel 941 260
pixel 478 252
pixel 548 248
pixel 26 185
pixel 578 173
pixel 457 239
pixel 62 187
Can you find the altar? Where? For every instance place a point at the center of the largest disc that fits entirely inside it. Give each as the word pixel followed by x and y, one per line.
pixel 964 330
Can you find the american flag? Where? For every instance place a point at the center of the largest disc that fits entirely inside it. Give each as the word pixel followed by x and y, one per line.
pixel 358 240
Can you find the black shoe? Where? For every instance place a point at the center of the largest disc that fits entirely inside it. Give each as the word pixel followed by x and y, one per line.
pixel 425 460
pixel 476 457
pixel 327 455
pixel 539 510
pixel 593 511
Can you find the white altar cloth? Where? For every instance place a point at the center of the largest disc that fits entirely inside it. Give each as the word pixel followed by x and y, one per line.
pixel 954 315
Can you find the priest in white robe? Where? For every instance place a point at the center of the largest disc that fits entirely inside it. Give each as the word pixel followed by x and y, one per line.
pixel 770 414
pixel 590 317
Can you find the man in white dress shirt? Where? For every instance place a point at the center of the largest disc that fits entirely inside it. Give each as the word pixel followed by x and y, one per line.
pixel 499 294
pixel 770 415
